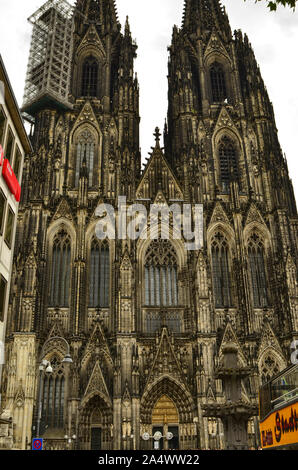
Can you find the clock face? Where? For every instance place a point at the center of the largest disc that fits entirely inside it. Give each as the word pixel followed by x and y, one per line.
pixel 146 436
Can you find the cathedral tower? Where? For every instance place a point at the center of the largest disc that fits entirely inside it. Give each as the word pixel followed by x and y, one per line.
pixel 111 339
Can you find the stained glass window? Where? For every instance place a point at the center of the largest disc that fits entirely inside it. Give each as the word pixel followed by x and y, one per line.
pixel 220 271
pixel 90 77
pixel 227 162
pixel 53 397
pixel 257 271
pixel 99 284
pixel 161 275
pixel 218 84
pixel 61 268
pixel 85 149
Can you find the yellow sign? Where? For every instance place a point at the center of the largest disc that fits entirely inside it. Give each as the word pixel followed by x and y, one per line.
pixel 280 428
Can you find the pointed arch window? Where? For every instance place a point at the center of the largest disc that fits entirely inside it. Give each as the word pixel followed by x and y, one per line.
pixel 227 162
pixel 85 150
pixel 61 268
pixel 99 285
pixel 90 77
pixel 218 83
pixel 269 368
pixel 53 395
pixel 256 260
pixel 221 271
pixel 161 287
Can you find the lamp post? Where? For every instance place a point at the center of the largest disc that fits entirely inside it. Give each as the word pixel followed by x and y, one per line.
pixel 70 440
pixel 45 367
pixel 132 440
pixel 157 436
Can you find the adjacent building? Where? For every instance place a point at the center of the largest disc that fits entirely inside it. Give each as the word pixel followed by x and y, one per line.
pixel 111 341
pixel 15 145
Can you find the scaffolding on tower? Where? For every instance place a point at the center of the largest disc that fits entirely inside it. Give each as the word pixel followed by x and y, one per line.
pixel 49 66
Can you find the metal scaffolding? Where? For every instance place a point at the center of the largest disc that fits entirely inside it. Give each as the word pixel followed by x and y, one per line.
pixel 50 57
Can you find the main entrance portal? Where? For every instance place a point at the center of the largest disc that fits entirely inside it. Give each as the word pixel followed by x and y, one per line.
pixel 165 420
pixel 167 408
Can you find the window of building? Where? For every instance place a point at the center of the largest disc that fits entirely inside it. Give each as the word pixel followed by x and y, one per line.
pixel 154 320
pixel 99 283
pixel 2 126
pixel 3 284
pixel 2 210
pixel 61 269
pixel 9 227
pixel 85 149
pixel 53 396
pixel 220 271
pixel 161 287
pixel 227 162
pixel 9 146
pixel 17 163
pixel 90 77
pixel 257 271
pixel 269 368
pixel 218 84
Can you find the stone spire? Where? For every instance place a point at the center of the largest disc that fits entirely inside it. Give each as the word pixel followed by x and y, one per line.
pixel 100 12
pixel 205 15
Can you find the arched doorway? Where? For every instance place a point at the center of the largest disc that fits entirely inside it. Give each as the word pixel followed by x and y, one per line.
pixel 167 406
pixel 95 425
pixel 96 430
pixel 165 419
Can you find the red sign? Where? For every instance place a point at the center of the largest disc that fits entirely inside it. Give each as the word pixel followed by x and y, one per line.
pixel 11 180
pixel 1 155
pixel 37 444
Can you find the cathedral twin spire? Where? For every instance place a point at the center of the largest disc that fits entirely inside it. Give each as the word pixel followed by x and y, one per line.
pixel 101 12
pixel 204 16
pixel 198 14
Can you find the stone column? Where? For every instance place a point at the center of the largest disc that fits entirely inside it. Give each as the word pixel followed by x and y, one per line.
pixel 234 413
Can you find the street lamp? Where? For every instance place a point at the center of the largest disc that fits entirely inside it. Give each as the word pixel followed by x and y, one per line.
pixel 49 369
pixel 45 366
pixel 67 359
pixel 132 440
pixel 70 439
pixel 157 436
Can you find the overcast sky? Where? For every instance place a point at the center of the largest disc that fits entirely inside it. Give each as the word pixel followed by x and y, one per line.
pixel 274 37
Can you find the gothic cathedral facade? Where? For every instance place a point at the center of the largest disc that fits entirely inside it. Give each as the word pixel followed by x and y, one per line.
pixel 145 321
